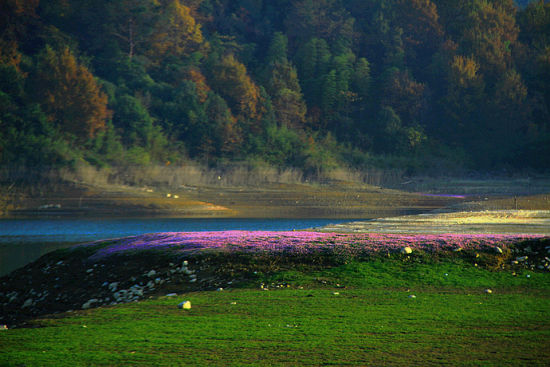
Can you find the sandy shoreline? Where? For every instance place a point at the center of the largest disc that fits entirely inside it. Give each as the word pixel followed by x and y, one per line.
pixel 487 221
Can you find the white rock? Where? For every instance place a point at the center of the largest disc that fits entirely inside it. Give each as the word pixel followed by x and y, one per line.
pixel 27 303
pixel 171 294
pixel 406 250
pixel 89 303
pixel 412 296
pixel 150 284
pixel 336 293
pixel 113 286
pixel 488 291
pixel 185 263
pixel 521 258
pixel 192 280
pixel 151 274
pixel 219 289
pixel 89 271
pixel 185 305
pixel 498 250
pixel 157 280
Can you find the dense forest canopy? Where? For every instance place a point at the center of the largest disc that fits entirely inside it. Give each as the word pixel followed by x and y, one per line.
pixel 305 83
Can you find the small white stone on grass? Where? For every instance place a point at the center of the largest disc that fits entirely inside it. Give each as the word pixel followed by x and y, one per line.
pixel 406 250
pixel 412 296
pixel 219 289
pixel 488 291
pixel 185 305
pixel 336 293
pixel 233 303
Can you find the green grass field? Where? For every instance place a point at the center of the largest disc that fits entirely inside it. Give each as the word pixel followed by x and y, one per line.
pixel 361 313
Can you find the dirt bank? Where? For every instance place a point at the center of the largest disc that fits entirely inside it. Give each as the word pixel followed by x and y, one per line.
pixel 334 200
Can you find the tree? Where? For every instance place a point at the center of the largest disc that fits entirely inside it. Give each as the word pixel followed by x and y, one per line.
pixel 175 33
pixel 69 94
pixel 230 80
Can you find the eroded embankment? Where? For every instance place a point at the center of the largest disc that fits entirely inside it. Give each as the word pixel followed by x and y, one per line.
pixel 110 272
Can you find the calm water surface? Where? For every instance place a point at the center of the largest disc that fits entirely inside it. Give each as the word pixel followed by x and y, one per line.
pixel 24 240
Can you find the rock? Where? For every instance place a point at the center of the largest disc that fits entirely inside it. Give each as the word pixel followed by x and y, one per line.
pixel 113 286
pixel 171 294
pixel 151 274
pixel 406 250
pixel 3 327
pixel 185 305
pixel 458 249
pixel 219 289
pixel 89 271
pixel 89 303
pixel 528 276
pixel 521 258
pixel 412 296
pixel 185 263
pixel 233 303
pixel 27 303
pixel 498 250
pixel 488 291
pixel 336 293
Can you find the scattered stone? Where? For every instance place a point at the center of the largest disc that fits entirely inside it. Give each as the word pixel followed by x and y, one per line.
pixel 185 305
pixel 528 276
pixel 151 274
pixel 406 250
pixel 89 303
pixel 498 250
pixel 488 291
pixel 3 327
pixel 219 289
pixel 185 263
pixel 233 303
pixel 171 295
pixel 89 271
pixel 336 293
pixel 412 296
pixel 28 303
pixel 521 258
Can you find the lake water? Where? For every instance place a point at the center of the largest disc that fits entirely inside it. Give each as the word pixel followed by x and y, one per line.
pixel 25 240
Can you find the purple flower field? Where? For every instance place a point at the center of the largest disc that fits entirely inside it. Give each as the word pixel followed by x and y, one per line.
pixel 301 243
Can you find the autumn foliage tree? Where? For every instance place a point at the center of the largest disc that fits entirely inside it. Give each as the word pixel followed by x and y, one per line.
pixel 176 33
pixel 69 94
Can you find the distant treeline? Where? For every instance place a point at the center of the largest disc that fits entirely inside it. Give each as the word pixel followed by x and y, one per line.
pixel 311 84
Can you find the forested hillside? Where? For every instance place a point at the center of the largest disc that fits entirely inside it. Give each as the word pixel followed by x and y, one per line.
pixel 312 84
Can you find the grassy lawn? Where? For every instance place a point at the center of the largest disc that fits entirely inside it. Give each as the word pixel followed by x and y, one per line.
pixel 360 313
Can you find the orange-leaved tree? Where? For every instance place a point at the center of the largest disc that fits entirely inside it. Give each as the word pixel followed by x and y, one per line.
pixel 176 33
pixel 69 94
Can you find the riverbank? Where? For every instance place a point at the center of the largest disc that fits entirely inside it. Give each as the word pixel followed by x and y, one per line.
pixel 106 273
pixel 330 199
